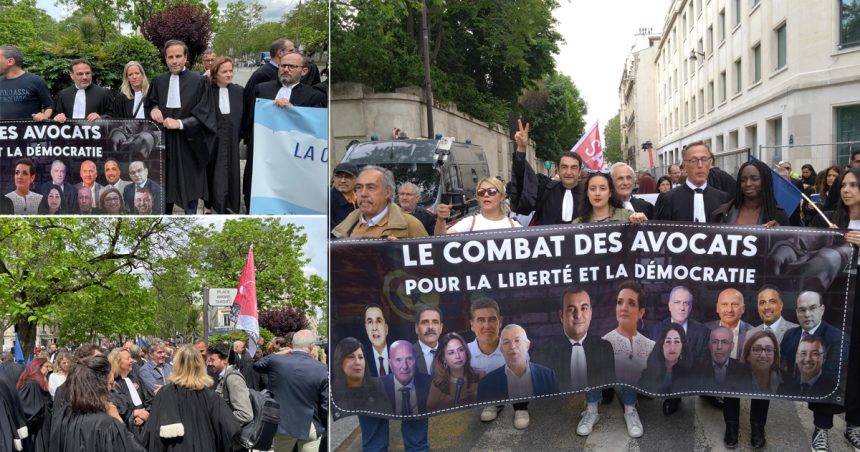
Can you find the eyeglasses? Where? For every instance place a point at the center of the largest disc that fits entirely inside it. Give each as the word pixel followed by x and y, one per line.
pixel 812 308
pixel 291 66
pixel 759 350
pixel 697 160
pixel 488 192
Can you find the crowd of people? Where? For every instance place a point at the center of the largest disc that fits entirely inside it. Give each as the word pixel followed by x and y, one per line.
pixel 203 114
pixel 773 357
pixel 160 397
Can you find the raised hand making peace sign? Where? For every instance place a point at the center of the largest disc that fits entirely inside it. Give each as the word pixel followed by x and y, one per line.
pixel 521 137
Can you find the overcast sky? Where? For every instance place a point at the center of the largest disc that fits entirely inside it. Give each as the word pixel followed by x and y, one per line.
pixel 598 36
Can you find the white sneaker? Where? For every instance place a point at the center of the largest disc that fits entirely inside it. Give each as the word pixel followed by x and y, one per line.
pixel 521 419
pixel 634 425
pixel 586 424
pixel 489 413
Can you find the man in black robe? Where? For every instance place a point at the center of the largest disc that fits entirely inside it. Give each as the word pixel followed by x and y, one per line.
pixel 85 99
pixel 286 92
pixel 181 102
pixel 552 201
pixel 694 200
pixel 623 178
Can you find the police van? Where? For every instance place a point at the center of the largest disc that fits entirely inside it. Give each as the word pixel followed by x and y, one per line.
pixel 446 171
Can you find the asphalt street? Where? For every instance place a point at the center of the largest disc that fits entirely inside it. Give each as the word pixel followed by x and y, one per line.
pixel 696 426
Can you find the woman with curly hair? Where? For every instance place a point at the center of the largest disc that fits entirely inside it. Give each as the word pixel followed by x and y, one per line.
pixel 36 401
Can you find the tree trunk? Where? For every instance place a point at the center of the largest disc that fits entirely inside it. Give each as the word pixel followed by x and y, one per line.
pixel 26 337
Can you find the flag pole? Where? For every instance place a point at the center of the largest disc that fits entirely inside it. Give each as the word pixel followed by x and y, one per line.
pixel 814 206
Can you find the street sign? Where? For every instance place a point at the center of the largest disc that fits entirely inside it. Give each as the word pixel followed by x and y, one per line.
pixel 220 297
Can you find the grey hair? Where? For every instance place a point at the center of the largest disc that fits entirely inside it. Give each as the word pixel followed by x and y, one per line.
pixel 621 165
pixel 387 176
pixel 410 184
pixel 685 289
pixel 303 339
pixel 511 326
pixel 14 53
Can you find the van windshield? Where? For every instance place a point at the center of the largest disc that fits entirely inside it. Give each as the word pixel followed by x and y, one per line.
pixel 422 175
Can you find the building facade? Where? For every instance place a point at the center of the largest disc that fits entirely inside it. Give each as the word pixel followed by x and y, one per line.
pixel 779 78
pixel 638 101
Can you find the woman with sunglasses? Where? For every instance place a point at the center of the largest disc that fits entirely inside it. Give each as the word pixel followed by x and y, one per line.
pixel 493 215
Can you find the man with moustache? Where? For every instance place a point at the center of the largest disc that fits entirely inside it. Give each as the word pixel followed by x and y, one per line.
pixel 428 328
pixel 810 380
pixel 770 311
pixel 113 175
pixel 578 359
pixel 85 99
pixel 181 103
pixel 408 196
pixel 58 178
pixel 85 203
pixel 377 216
pixel 89 173
pixel 342 197
pixel 140 182
pixel 810 313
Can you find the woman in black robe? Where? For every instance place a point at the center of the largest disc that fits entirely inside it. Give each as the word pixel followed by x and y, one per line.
pixel 13 425
pixel 222 172
pixel 131 102
pixel 89 421
pixel 133 406
pixel 36 402
pixel 186 415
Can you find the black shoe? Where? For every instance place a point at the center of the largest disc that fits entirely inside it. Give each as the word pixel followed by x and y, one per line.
pixel 717 402
pixel 731 436
pixel 670 406
pixel 608 395
pixel 757 436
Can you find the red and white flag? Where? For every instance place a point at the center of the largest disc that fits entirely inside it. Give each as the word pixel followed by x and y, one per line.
pixel 588 147
pixel 245 304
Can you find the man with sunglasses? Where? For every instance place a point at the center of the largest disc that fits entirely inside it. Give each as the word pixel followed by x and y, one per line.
pixel 552 201
pixel 694 200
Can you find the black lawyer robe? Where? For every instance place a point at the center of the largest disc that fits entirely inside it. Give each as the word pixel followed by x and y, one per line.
pixel 91 432
pixel 36 404
pixel 98 100
pixel 677 204
pixel 187 150
pixel 121 397
pixel 207 423
pixel 265 73
pixel 12 422
pixel 225 191
pixel 124 107
pixel 536 192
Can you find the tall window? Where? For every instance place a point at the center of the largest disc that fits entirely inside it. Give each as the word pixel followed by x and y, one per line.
pixel 701 49
pixel 692 21
pixel 684 24
pixel 849 23
pixel 737 7
pixel 701 102
pixel 780 47
pixel 710 40
pixel 757 63
pixel 721 23
pixel 711 95
pixel 738 77
pixel 847 129
pixel 722 86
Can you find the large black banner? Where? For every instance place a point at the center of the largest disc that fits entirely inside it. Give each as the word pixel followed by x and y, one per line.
pixel 106 157
pixel 667 309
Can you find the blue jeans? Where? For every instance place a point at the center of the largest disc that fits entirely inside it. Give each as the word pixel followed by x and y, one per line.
pixel 594 395
pixel 628 396
pixel 374 434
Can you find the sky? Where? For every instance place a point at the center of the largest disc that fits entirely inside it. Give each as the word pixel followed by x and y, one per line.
pixel 598 36
pixel 273 9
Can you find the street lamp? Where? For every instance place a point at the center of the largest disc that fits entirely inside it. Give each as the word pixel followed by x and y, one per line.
pixel 694 53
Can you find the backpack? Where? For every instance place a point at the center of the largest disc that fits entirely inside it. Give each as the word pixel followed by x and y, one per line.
pixel 260 431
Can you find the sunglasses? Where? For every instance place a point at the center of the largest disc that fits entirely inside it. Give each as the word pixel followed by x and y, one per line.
pixel 488 192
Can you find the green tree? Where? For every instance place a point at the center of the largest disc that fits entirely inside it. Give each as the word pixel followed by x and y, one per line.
pixel 612 151
pixel 556 113
pixel 48 265
pixel 264 34
pixel 237 21
pixel 308 25
pixel 23 23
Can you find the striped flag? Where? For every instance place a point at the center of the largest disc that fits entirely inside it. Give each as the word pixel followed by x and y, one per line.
pixel 244 310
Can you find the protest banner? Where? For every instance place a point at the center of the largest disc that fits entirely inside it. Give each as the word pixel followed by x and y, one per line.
pixel 540 278
pixel 65 154
pixel 290 160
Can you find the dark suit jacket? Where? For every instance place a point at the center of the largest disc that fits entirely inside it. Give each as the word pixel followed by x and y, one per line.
pixel 302 95
pixel 426 218
pixel 6 206
pixel 643 206
pixel 825 385
pixel 339 208
pixel 677 204
pixel 99 100
pixel 698 336
pixel 536 192
pixel 124 107
pixel 157 200
pixel 422 388
pixel 599 359
pixel 98 191
pixel 738 376
pixel 833 342
pixel 300 384
pixel 70 194
pixel 494 386
pixel 372 364
pixel 419 360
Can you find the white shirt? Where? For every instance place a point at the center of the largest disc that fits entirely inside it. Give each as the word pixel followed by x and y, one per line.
pixel 79 111
pixel 54 381
pixel 519 387
pixel 630 359
pixel 398 397
pixel 578 365
pixel 487 363
pixel 428 356
pixel 173 99
pixel 736 331
pixel 25 205
pixel 698 203
pixel 138 98
pixel 285 92
pixel 135 397
pixel 375 220
pixel 483 224
pixel 224 101
pixel 385 363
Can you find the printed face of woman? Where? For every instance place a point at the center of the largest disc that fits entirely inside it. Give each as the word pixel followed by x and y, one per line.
pixel 627 310
pixel 672 347
pixel 353 365
pixel 762 354
pixel 54 200
pixel 455 354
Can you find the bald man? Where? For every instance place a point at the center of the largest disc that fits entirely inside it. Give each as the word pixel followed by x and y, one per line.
pixel 730 308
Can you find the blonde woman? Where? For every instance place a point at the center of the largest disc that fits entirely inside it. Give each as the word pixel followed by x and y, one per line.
pixel 131 101
pixel 61 371
pixel 134 399
pixel 186 415
pixel 491 195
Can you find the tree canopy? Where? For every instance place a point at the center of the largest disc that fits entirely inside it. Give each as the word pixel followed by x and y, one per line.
pixel 612 151
pixel 556 113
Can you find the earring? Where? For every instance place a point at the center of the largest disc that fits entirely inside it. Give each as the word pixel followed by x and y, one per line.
pixel 642 323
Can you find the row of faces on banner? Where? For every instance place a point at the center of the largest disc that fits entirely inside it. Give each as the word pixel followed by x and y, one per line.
pixel 679 354
pixel 114 194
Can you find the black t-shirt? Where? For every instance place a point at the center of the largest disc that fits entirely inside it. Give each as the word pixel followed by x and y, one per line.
pixel 21 97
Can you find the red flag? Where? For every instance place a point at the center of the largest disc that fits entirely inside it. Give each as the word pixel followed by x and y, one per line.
pixel 588 147
pixel 244 311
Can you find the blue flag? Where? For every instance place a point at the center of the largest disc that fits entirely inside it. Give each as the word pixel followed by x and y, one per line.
pixel 19 354
pixel 787 195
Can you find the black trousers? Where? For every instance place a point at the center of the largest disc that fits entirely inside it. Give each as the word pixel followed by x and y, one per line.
pixel 758 410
